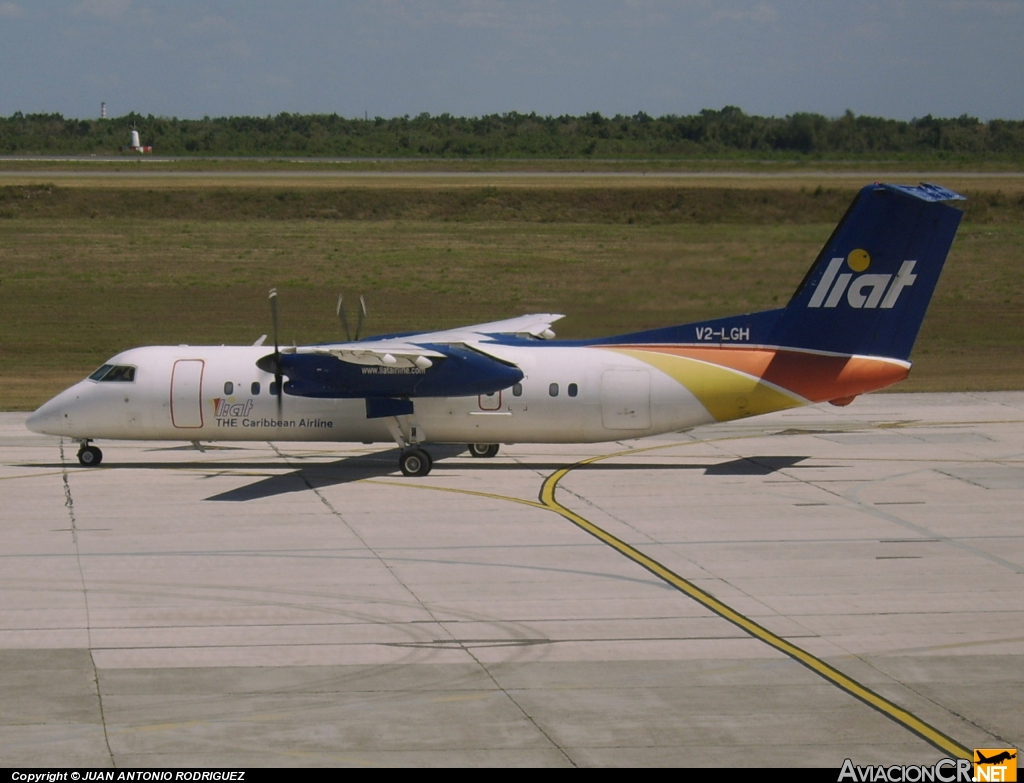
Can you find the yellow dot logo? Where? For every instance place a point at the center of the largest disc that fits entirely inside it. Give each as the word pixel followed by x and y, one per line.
pixel 859 260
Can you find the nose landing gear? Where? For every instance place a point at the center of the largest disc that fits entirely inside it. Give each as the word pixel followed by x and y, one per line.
pixel 89 456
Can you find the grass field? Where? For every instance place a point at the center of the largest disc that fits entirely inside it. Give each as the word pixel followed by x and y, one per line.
pixel 88 271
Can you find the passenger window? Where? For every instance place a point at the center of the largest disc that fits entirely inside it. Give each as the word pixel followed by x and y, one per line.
pixel 553 390
pixel 229 387
pixel 517 390
pixel 273 388
pixel 255 388
pixel 490 402
pixel 573 389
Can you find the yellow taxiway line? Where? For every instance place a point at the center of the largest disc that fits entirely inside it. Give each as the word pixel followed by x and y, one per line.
pixel 548 502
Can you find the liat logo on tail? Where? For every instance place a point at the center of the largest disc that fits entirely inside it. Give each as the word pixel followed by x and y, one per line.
pixel 862 291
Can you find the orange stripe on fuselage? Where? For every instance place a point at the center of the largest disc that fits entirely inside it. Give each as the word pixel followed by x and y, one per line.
pixel 812 376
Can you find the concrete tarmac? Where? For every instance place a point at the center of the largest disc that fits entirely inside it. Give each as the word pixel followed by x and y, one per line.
pixel 302 604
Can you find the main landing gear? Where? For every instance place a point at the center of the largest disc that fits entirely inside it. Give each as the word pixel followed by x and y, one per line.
pixel 89 456
pixel 415 462
pixel 483 450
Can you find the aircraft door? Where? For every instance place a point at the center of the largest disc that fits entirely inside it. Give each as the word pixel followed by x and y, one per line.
pixel 187 394
pixel 626 399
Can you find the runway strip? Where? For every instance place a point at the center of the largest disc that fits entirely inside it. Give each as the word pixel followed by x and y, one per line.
pixel 547 501
pixel 639 171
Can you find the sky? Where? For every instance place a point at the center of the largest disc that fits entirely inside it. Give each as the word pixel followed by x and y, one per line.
pixel 899 58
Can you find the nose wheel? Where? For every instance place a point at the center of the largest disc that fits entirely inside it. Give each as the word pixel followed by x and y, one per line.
pixel 415 462
pixel 89 456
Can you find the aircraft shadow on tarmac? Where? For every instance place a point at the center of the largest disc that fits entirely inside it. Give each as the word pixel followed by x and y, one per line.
pixel 382 463
pixel 328 474
pixel 318 475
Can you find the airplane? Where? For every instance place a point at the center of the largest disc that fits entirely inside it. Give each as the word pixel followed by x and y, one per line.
pixel 996 759
pixel 848 329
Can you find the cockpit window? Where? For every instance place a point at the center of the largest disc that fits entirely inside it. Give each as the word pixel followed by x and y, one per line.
pixel 121 373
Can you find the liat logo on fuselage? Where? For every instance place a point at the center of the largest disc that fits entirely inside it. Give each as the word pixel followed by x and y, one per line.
pixel 222 407
pixel 863 291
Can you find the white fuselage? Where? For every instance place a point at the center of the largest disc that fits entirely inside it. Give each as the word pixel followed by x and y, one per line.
pixel 210 393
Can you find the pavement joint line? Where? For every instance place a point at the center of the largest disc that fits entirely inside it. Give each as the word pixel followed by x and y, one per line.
pixel 852 497
pixel 69 503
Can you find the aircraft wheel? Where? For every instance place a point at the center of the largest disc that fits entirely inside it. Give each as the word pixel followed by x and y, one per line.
pixel 90 456
pixel 415 462
pixel 483 450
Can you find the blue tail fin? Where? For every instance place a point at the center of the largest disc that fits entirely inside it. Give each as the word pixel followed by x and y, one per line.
pixel 869 288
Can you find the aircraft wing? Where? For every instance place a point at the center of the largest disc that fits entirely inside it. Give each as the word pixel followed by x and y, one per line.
pixel 406 349
pixel 537 326
pixel 419 352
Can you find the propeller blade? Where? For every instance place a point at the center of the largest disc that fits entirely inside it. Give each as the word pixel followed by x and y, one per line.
pixel 362 316
pixel 340 310
pixel 273 313
pixel 277 351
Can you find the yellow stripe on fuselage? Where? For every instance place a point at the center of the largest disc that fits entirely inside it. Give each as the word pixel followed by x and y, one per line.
pixel 727 394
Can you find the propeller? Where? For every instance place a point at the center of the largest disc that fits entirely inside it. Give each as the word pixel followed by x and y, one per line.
pixel 277 351
pixel 340 310
pixel 362 316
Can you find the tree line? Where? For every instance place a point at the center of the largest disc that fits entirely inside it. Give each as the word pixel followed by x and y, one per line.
pixel 715 133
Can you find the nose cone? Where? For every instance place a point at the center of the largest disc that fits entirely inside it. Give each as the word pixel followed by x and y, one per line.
pixel 54 417
pixel 46 420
